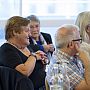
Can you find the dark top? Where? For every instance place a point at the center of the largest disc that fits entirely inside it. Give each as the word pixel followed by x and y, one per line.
pixel 11 79
pixel 11 57
pixel 39 46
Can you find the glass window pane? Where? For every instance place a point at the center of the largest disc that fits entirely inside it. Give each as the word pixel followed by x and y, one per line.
pixel 54 8
pixel 9 8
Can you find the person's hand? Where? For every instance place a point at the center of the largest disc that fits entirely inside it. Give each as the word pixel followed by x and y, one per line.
pixel 82 54
pixel 42 56
pixel 49 47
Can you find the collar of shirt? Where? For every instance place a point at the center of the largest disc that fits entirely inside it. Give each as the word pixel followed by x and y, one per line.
pixel 62 55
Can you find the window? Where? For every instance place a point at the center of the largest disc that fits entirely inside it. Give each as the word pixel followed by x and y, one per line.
pixel 9 8
pixel 43 8
pixel 54 8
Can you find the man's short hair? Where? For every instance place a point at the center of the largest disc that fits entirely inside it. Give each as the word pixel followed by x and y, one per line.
pixel 62 40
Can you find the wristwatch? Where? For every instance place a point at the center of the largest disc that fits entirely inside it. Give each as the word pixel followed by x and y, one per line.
pixel 34 55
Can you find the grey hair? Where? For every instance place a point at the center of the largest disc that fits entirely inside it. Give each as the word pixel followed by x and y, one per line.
pixel 83 19
pixel 33 18
pixel 62 40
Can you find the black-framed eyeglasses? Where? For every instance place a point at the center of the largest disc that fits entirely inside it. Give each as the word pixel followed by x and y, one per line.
pixel 80 40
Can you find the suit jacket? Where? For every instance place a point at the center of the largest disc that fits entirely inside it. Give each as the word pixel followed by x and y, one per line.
pixel 36 47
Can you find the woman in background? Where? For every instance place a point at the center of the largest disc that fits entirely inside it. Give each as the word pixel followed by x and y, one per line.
pixel 83 22
pixel 39 40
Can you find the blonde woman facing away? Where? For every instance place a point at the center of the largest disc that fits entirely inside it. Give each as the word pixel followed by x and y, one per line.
pixel 83 22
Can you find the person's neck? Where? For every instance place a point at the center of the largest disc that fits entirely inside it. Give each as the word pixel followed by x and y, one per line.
pixel 16 44
pixel 67 51
pixel 36 38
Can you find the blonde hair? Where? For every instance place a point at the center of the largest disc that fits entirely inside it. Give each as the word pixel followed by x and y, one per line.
pixel 14 25
pixel 83 19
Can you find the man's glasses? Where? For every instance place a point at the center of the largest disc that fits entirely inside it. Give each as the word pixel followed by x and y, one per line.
pixel 80 40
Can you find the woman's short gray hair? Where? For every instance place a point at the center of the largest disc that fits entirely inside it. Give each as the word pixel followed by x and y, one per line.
pixel 33 18
pixel 62 40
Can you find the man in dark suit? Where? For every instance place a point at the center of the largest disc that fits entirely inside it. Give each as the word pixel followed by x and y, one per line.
pixel 39 40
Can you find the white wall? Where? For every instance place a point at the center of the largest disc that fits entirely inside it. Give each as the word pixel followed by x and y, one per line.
pixel 2 23
pixel 55 23
pixel 47 23
pixel 48 26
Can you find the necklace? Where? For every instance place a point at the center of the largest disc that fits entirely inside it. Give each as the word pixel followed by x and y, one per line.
pixel 16 46
pixel 24 50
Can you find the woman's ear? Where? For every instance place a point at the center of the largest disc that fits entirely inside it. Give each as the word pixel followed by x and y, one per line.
pixel 87 28
pixel 15 34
